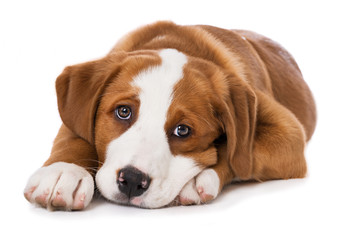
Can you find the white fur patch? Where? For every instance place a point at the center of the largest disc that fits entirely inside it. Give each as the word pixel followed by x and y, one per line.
pixel 145 145
pixel 199 189
pixel 209 181
pixel 60 185
pixel 189 193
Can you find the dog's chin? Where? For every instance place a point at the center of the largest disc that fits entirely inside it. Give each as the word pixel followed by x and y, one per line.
pixel 121 199
pixel 139 202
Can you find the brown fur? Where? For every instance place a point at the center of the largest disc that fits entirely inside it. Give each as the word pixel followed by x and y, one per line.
pixel 251 109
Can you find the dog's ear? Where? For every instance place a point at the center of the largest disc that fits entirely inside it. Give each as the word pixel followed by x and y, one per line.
pixel 239 120
pixel 79 89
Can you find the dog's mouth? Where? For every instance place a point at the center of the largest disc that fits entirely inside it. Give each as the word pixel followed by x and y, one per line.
pixel 122 199
pixel 174 203
pixel 145 189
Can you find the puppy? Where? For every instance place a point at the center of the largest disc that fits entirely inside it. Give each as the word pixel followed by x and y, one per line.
pixel 172 114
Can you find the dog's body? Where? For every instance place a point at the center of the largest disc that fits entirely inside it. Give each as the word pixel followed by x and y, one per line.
pixel 176 112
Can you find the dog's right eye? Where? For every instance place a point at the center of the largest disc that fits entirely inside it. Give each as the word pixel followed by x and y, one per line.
pixel 123 112
pixel 182 131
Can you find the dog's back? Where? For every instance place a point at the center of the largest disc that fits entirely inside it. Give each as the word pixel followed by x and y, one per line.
pixel 287 84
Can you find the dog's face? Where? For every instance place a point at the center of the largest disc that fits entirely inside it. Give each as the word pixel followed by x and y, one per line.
pixel 157 116
pixel 162 129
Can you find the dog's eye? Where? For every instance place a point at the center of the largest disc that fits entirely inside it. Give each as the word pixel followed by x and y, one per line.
pixel 182 131
pixel 123 112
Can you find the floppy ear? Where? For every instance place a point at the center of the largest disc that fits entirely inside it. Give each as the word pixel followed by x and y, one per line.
pixel 79 89
pixel 239 119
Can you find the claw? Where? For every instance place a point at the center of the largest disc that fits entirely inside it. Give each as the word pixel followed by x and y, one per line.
pixel 28 194
pixel 42 199
pixel 79 202
pixel 58 201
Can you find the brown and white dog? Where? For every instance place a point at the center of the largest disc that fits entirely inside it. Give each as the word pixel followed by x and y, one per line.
pixel 175 113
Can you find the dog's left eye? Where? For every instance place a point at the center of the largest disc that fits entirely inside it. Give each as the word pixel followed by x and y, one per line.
pixel 182 131
pixel 123 112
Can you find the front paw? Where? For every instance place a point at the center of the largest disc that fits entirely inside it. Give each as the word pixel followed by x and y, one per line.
pixel 201 189
pixel 60 185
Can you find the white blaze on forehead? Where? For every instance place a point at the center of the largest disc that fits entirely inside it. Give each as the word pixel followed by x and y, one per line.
pixel 156 87
pixel 145 145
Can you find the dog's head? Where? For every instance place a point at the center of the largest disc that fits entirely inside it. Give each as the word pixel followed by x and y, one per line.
pixel 156 119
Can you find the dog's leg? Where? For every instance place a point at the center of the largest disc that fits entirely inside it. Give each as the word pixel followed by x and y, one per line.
pixel 66 179
pixel 207 185
pixel 278 151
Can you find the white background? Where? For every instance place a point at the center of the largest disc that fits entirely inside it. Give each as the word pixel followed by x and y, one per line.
pixel 39 38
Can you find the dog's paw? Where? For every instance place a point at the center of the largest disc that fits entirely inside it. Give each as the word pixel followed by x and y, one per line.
pixel 201 189
pixel 60 185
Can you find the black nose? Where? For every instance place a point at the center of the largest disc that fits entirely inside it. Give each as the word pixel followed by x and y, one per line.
pixel 132 182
